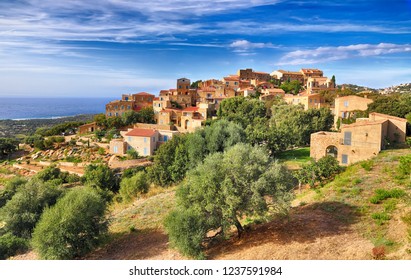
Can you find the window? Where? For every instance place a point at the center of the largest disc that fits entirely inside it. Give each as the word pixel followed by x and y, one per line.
pixel 342 114
pixel 154 139
pixel 344 159
pixel 145 140
pixel 128 107
pixel 109 114
pixel 347 138
pixel 346 103
pixel 115 149
pixel 179 86
pixel 165 138
pixel 145 151
pixel 129 138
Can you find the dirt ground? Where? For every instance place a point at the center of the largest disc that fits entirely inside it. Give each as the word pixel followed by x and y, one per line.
pixel 311 233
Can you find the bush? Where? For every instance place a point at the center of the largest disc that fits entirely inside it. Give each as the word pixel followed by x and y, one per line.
pixel 10 245
pixel 100 176
pixel 380 217
pixel 186 232
pixel 22 212
pixel 132 154
pixel 132 187
pixel 11 189
pixel 80 216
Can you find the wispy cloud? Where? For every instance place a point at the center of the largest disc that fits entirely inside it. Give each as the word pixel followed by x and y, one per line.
pixel 246 48
pixel 324 54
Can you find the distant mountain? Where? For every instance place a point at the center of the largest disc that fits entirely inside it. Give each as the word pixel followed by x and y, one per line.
pixel 402 88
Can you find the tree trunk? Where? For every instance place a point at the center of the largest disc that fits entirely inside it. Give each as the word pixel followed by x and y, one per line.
pixel 239 227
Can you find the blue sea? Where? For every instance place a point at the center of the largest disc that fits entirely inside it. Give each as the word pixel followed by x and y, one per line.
pixel 48 108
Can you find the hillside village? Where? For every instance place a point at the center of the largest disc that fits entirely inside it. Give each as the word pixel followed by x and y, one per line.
pixel 285 139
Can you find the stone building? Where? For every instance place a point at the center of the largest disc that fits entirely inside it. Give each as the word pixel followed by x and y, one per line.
pixel 128 102
pixel 359 141
pixel 249 74
pixel 309 101
pixel 285 76
pixel 344 106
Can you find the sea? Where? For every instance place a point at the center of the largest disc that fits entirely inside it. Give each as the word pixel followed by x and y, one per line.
pixel 49 108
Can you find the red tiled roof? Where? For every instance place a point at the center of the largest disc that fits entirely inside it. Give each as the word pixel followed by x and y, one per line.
pixel 144 93
pixel 141 132
pixel 191 109
pixel 156 98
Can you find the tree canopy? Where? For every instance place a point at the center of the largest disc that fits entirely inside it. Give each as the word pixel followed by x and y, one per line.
pixel 72 227
pixel 242 181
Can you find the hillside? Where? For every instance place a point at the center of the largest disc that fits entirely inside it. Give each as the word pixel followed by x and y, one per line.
pixel 399 89
pixel 336 221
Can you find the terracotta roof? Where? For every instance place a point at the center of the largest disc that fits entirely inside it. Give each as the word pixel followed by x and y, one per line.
pixel 144 93
pixel 190 109
pixel 156 98
pixel 231 78
pixel 265 73
pixel 141 132
pixel 388 116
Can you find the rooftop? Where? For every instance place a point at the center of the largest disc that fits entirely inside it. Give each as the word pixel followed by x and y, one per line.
pixel 141 132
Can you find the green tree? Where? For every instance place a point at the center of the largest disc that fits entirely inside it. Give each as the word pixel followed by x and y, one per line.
pixel 80 216
pixel 101 177
pixel 130 117
pixel 320 171
pixel 8 146
pixel 23 210
pixel 241 110
pixel 131 187
pixel 222 135
pixel 242 181
pixel 334 81
pixel 146 115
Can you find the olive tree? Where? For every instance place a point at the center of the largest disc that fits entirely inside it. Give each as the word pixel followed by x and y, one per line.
pixel 72 227
pixel 217 194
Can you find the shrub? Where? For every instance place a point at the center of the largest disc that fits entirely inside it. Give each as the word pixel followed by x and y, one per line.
pixel 12 186
pixel 80 216
pixel 10 245
pixel 133 186
pixel 132 154
pixel 186 232
pixel 100 176
pixel 22 212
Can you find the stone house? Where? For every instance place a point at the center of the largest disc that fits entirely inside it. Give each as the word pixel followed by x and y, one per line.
pixel 307 100
pixel 128 102
pixel 144 140
pixel 318 84
pixel 345 105
pixel 284 76
pixel 359 141
pixel 88 128
pixel 249 74
pixel 232 81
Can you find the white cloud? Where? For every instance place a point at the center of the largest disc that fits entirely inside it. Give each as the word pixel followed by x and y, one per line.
pixel 324 54
pixel 245 48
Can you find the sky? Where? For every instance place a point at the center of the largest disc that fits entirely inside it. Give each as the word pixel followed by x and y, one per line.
pixel 105 48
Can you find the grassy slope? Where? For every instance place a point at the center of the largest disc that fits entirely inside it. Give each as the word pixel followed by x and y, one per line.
pixel 381 223
pixel 331 222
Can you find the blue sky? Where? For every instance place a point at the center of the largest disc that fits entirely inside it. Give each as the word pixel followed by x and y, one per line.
pixel 108 47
